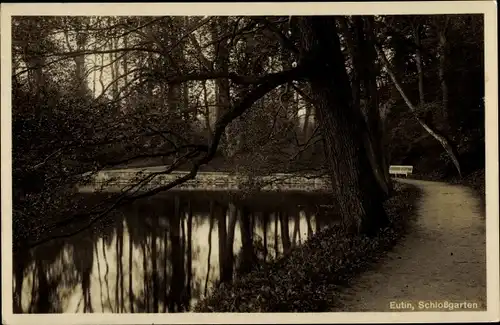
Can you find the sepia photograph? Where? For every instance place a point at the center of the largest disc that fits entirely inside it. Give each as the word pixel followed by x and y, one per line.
pixel 173 163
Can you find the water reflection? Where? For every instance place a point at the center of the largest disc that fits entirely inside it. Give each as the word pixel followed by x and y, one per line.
pixel 165 253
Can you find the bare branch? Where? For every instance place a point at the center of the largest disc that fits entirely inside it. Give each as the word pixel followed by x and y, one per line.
pixel 123 198
pixel 117 79
pixel 71 54
pixel 118 50
pixel 58 151
pixel 267 83
pixel 204 61
pixel 201 76
pixel 303 94
pixel 285 41
pixel 197 147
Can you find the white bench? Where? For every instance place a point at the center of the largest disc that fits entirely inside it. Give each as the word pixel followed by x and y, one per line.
pixel 400 170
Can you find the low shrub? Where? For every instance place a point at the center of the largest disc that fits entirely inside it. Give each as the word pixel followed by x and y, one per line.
pixel 476 180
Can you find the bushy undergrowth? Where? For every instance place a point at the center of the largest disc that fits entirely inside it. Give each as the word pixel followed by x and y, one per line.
pixel 306 279
pixel 476 181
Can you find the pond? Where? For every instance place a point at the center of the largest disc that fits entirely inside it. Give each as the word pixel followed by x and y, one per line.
pixel 164 253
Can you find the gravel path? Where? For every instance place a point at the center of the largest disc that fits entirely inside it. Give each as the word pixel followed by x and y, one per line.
pixel 443 257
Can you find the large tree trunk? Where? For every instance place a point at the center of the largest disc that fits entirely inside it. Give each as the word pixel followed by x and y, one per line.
pixel 344 130
pixel 374 111
pixel 365 94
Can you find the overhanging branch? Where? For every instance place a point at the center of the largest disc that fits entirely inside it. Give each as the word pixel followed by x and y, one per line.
pixel 210 75
pixel 266 84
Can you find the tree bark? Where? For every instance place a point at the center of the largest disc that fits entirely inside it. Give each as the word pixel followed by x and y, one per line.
pixel 364 78
pixel 375 117
pixel 363 59
pixel 355 184
pixel 352 35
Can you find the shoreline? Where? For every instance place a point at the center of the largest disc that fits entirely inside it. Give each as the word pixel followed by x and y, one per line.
pixel 304 280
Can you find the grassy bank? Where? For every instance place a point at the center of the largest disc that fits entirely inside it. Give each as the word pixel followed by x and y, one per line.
pixel 307 278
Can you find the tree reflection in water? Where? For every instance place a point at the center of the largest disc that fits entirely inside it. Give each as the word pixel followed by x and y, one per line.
pixel 154 255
